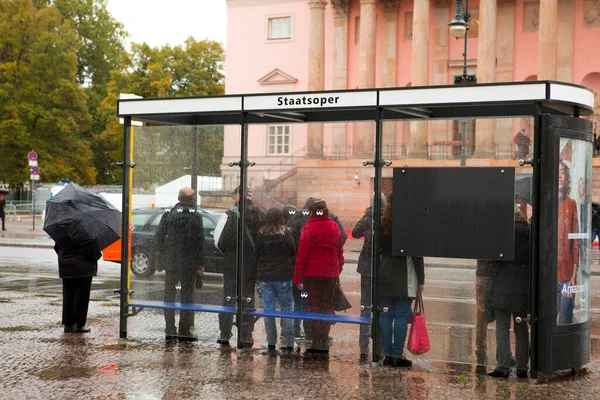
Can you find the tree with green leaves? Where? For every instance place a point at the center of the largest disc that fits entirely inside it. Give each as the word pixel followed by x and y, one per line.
pixel 100 50
pixel 41 105
pixel 194 69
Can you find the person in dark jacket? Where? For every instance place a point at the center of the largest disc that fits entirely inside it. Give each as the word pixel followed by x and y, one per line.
pixel 296 222
pixel 319 262
pixel 288 211
pixel 510 299
pixel 275 255
pixel 2 205
pixel 180 239
pixel 400 280
pixel 227 244
pixel 364 228
pixel 77 266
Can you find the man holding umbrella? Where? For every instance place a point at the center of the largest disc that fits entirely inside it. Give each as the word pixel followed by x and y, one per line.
pixel 82 223
pixel 180 239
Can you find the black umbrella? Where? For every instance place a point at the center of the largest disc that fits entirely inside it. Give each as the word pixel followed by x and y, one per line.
pixel 77 217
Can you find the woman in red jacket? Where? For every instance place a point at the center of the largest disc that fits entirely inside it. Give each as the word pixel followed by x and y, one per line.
pixel 319 263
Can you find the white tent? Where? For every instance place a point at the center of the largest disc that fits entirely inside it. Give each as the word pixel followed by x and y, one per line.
pixel 166 195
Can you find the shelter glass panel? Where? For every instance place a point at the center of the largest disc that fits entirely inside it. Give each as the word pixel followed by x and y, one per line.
pixel 311 199
pixel 179 195
pixel 468 303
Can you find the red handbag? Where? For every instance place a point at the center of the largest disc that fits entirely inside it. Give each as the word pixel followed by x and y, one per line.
pixel 418 339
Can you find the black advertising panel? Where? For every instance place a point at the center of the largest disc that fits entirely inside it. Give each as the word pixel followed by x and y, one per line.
pixel 454 212
pixel 563 298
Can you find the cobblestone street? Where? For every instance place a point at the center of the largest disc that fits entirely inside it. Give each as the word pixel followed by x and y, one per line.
pixel 40 362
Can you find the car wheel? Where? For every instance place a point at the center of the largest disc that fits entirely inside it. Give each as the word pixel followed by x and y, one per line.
pixel 140 264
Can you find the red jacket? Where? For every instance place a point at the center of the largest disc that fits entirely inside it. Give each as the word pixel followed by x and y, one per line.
pixel 321 250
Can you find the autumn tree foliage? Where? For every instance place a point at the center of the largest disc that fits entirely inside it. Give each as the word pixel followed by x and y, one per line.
pixel 63 64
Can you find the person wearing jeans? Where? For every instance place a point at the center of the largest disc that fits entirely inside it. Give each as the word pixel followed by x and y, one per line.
pixel 271 292
pixel 275 253
pixel 400 280
pixel 394 324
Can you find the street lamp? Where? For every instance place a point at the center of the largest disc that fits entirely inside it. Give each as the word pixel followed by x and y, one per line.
pixel 459 27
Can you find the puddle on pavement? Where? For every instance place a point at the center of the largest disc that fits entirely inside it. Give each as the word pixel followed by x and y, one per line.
pixel 64 372
pixel 20 328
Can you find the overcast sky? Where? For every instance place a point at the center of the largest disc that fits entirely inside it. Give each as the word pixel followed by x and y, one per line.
pixel 160 22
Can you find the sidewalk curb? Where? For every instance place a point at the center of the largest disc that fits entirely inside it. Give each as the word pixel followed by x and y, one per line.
pixel 29 245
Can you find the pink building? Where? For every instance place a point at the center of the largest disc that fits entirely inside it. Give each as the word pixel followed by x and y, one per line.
pixel 297 45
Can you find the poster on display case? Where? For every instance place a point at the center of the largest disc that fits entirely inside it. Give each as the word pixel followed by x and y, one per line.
pixel 574 231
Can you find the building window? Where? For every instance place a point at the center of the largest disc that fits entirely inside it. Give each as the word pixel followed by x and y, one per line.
pixel 356 31
pixel 280 27
pixel 278 140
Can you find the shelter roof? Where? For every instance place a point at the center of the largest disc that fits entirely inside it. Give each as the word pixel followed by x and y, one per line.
pixel 506 99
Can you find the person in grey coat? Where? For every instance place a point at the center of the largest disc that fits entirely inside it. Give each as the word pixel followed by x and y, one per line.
pixel 364 228
pixel 510 299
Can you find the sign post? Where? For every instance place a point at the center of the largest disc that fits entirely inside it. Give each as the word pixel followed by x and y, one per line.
pixel 34 175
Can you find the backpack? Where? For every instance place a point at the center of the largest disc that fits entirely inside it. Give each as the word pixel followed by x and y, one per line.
pixel 221 225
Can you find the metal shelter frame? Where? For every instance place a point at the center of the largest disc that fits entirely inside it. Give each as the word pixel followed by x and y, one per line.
pixel 511 99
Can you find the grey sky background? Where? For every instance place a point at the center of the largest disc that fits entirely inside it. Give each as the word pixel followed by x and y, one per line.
pixel 161 22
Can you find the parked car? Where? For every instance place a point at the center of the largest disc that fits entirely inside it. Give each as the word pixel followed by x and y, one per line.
pixel 145 258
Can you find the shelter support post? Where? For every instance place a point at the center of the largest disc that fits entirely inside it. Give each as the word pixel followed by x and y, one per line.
pixel 240 298
pixel 376 233
pixel 124 288
pixel 535 239
pixel 194 171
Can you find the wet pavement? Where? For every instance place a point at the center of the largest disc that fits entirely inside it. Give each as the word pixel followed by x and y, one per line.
pixel 39 361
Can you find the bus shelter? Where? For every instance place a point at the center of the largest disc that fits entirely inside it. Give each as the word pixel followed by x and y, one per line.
pixel 454 204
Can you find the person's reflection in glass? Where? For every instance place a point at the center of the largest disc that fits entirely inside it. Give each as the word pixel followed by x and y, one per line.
pixel 568 249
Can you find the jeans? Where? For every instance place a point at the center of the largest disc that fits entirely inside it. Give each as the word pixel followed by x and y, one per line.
pixel 564 304
pixel 394 324
pixel 271 292
pixel 481 322
pixel 503 353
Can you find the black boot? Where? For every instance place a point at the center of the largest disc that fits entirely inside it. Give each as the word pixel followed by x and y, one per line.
pixel 498 374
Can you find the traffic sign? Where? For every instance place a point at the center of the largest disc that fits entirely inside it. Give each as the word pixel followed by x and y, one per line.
pixel 32 155
pixel 33 163
pixel 34 171
pixel 34 177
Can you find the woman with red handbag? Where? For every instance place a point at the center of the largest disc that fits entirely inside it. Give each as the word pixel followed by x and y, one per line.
pixel 400 279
